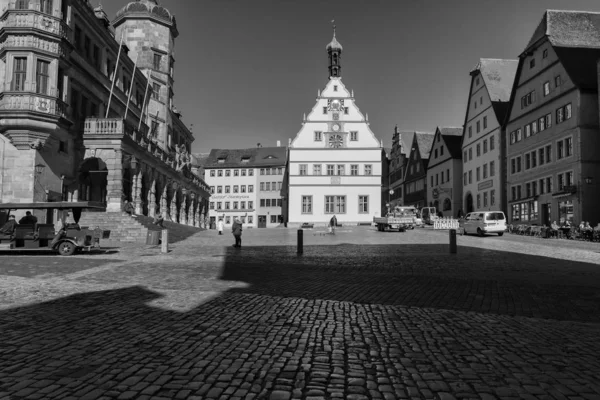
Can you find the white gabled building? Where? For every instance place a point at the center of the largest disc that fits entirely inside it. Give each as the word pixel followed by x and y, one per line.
pixel 335 161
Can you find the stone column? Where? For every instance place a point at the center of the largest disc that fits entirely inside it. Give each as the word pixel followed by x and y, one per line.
pixel 163 198
pixel 194 208
pixel 185 204
pixel 151 192
pixel 114 187
pixel 137 190
pixel 174 211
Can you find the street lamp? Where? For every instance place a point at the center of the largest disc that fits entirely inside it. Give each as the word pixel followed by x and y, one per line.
pixel 39 169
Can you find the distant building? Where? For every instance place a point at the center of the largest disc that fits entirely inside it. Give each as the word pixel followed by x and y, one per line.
pixel 553 150
pixel 415 177
pixel 335 160
pixel 246 183
pixel 483 138
pixel 401 142
pixel 444 171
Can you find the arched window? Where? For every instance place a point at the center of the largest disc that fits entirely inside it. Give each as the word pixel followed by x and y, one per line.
pixel 22 5
pixel 447 204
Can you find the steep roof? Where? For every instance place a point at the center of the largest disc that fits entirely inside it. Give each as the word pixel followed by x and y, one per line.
pixel 452 137
pixel 424 141
pixel 199 159
pixel 406 141
pixel 256 156
pixel 498 75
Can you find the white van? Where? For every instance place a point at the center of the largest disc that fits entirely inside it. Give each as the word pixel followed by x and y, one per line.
pixel 482 222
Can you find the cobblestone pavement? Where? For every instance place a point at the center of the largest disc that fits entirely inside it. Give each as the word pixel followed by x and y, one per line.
pixel 359 315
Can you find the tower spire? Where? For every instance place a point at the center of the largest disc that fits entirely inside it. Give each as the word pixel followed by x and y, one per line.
pixel 334 51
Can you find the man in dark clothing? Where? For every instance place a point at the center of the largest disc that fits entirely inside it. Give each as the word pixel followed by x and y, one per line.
pixel 9 227
pixel 333 224
pixel 236 229
pixel 28 219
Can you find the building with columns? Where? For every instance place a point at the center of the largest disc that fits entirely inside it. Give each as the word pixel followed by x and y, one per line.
pixel 335 160
pixel 78 125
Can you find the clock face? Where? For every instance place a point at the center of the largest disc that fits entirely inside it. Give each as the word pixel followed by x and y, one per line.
pixel 336 141
pixel 335 127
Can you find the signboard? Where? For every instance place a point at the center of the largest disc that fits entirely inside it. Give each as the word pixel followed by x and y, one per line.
pixel 485 185
pixel 229 196
pixel 446 224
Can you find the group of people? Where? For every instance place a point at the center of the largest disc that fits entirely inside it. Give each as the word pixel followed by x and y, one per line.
pixel 586 230
pixel 11 224
pixel 236 230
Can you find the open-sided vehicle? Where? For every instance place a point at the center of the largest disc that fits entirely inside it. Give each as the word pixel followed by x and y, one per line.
pixel 401 218
pixel 42 236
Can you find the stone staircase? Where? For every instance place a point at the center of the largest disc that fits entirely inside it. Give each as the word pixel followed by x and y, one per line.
pixel 126 228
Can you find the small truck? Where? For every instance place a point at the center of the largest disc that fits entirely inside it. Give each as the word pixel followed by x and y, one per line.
pixel 401 218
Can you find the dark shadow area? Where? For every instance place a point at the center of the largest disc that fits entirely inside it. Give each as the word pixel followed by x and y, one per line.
pixel 32 253
pixel 177 232
pixel 331 321
pixel 30 267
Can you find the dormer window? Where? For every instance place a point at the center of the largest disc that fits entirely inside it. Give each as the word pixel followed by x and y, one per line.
pixel 245 159
pixel 221 160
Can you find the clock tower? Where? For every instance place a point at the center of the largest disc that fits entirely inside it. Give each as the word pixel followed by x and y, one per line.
pixel 335 160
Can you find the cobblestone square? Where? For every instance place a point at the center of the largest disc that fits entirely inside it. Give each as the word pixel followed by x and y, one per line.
pixel 360 315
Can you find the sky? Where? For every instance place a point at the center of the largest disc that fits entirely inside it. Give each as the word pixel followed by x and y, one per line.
pixel 247 70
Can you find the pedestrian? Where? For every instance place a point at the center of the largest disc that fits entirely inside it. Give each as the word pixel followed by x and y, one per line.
pixel 333 224
pixel 28 219
pixel 220 226
pixel 236 229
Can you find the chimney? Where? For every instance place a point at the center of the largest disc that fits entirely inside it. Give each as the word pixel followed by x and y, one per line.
pixel 279 143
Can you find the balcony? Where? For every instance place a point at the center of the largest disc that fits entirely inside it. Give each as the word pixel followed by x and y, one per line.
pixel 119 128
pixel 17 101
pixel 33 19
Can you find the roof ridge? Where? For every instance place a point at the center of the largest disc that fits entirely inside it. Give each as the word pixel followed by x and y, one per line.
pixel 573 11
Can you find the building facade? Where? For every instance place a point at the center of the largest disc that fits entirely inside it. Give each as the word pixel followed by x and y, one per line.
pixel 483 139
pixel 415 177
pixel 444 171
pixel 80 121
pixel 246 183
pixel 401 142
pixel 335 160
pixel 553 147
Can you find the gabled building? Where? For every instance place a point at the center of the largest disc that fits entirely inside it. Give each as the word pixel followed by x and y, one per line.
pixel 482 142
pixel 401 142
pixel 444 171
pixel 335 160
pixel 553 150
pixel 415 178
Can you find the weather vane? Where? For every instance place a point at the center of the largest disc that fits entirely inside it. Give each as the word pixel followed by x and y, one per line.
pixel 333 23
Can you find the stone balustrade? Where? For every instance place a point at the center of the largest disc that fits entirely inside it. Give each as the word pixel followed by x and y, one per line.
pixel 29 102
pixel 31 18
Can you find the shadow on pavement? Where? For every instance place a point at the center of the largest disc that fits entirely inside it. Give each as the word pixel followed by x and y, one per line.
pixel 280 336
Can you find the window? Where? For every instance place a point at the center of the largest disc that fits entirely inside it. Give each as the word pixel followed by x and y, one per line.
pixel 533 159
pixel 568 147
pixel 212 172
pixel 465 157
pixel 542 123
pixel 250 188
pixel 485 170
pixel 96 56
pixel 87 45
pixel 22 5
pixel 330 169
pixel 19 74
pixel 431 179
pixel 519 135
pixel 279 185
pixel 157 61
pixel 478 127
pixel 250 206
pixel 532 63
pixel 220 172
pixel 267 202
pixel 318 136
pixel 519 164
pixel 478 174
pixel 465 179
pixel 267 186
pixel 492 168
pixel 485 146
pixel 235 205
pixel 227 172
pixel 219 205
pixel 560 151
pixel 441 150
pixel 470 177
pixel 478 149
pixel 303 168
pixel 546 88
pixel 211 205
pixel 470 153
pixel 534 127
pixel 341 170
pixel 568 111
pixel 437 182
pixel 236 189
pixel 262 203
pixel 353 136
pixel 227 189
pixel 346 110
pixel 354 169
pixel 306 204
pixel 227 205
pixel 236 172
pixel 243 188
pixel 317 169
pixel 335 88
pixel 527 130
pixel 557 81
pixel 250 172
pixel 436 153
pixel 527 161
pixel 492 144
pixel 492 197
pixel 478 201
pixel 155 91
pixel 363 204
pixel 369 169
pixel 335 204
pixel 280 171
pixel 324 110
pixel 219 189
pixel 548 121
pixel 484 122
pixel 262 171
pixel 42 76
pixel 470 131
pixel 485 199
pixel 513 137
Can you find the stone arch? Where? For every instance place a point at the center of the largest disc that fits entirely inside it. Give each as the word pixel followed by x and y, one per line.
pixel 447 205
pixel 92 178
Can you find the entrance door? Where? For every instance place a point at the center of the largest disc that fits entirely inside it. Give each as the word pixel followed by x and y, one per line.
pixel 546 214
pixel 262 221
pixel 469 206
pixel 213 223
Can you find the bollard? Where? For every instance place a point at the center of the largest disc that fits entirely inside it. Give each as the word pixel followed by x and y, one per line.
pixel 164 247
pixel 300 241
pixel 452 241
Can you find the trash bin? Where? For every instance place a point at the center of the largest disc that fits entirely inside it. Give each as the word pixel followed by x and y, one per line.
pixel 153 238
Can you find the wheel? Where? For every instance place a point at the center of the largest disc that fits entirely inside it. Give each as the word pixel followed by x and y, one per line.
pixel 479 232
pixel 66 249
pixel 500 233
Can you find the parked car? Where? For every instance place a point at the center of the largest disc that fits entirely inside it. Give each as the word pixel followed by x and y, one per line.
pixel 482 222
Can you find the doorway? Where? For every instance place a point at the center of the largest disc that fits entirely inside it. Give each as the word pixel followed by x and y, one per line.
pixel 213 223
pixel 546 214
pixel 262 221
pixel 469 205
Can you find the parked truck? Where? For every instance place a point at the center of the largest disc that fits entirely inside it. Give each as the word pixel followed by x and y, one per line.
pixel 401 219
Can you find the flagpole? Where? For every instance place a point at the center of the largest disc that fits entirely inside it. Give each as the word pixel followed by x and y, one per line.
pixel 112 87
pixel 144 103
pixel 131 87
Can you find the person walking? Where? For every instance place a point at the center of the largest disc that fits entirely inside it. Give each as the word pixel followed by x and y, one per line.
pixel 236 229
pixel 333 224
pixel 220 226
